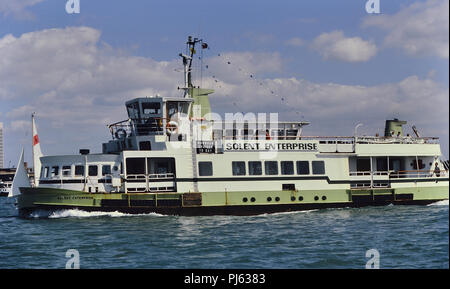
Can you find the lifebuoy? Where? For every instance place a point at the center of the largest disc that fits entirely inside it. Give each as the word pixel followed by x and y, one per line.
pixel 120 133
pixel 172 127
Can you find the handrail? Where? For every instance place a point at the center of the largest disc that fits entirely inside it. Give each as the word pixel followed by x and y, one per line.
pixel 419 173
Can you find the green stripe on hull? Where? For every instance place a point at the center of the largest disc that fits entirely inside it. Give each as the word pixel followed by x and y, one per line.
pixel 35 198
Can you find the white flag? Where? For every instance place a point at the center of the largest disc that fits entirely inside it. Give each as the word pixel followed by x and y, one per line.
pixel 37 154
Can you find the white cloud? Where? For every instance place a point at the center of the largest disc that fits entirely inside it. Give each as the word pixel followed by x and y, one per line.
pixel 295 41
pixel 77 85
pixel 419 29
pixel 335 45
pixel 17 7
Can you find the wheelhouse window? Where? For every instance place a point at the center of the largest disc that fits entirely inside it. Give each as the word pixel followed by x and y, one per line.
pixel 238 168
pixel 254 168
pixel 135 166
pixel 145 146
pixel 106 170
pixel 172 108
pixel 205 169
pixel 79 171
pixel 133 110
pixel 271 168
pixel 287 168
pixel 93 171
pixel 151 107
pixel 66 170
pixel 302 167
pixel 318 167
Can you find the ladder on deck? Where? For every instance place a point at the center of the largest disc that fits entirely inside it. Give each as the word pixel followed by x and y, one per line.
pixel 194 159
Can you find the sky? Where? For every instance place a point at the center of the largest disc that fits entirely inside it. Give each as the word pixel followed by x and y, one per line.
pixel 324 61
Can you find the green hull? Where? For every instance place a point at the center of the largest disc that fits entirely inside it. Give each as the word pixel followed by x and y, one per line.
pixel 223 203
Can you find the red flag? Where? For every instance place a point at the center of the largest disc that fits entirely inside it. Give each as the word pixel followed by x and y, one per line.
pixel 35 140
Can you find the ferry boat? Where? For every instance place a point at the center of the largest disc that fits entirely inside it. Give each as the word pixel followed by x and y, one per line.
pixel 5 189
pixel 6 178
pixel 174 156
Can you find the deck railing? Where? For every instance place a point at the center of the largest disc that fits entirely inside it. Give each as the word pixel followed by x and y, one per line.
pixel 403 174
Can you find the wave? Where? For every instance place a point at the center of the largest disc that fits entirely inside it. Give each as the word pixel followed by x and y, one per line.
pixel 75 213
pixel 439 203
pixel 286 213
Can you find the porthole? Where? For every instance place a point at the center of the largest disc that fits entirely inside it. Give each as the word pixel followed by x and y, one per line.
pixel 293 198
pixel 300 198
pixel 277 199
pixel 324 198
pixel 252 199
pixel 316 198
pixel 269 199
pixel 245 200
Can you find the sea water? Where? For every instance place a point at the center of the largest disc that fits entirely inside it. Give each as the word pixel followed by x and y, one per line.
pixel 401 236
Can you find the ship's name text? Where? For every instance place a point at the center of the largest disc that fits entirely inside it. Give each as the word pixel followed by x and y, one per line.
pixel 271 146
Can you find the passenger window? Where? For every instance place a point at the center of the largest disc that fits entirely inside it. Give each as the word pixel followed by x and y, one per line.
pixel 79 171
pixel 287 168
pixel 135 166
pixel 46 172
pixel 93 171
pixel 318 167
pixel 238 168
pixel 106 170
pixel 254 168
pixel 303 168
pixel 205 169
pixel 271 168
pixel 66 171
pixel 55 171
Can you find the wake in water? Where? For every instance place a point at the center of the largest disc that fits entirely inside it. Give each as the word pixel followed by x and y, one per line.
pixel 75 213
pixel 286 213
pixel 440 203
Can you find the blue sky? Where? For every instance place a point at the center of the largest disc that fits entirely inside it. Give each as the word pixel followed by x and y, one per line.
pixel 324 56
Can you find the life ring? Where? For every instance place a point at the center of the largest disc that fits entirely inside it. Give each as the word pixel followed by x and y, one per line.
pixel 120 134
pixel 172 127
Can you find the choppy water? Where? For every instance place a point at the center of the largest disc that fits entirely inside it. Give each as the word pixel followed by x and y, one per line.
pixel 404 236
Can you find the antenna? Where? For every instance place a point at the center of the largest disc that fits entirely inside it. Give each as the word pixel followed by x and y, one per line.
pixel 416 132
pixel 187 62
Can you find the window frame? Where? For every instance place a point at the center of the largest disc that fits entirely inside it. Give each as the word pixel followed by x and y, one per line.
pixel 233 163
pixel 75 170
pixel 298 168
pixel 267 167
pixel 314 169
pixel 292 172
pixel 250 172
pixel 96 170
pixel 201 172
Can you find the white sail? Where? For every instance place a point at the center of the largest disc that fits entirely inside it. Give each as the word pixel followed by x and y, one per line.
pixel 37 154
pixel 20 178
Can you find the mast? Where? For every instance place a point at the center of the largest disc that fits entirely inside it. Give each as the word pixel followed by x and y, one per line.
pixel 187 62
pixel 200 95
